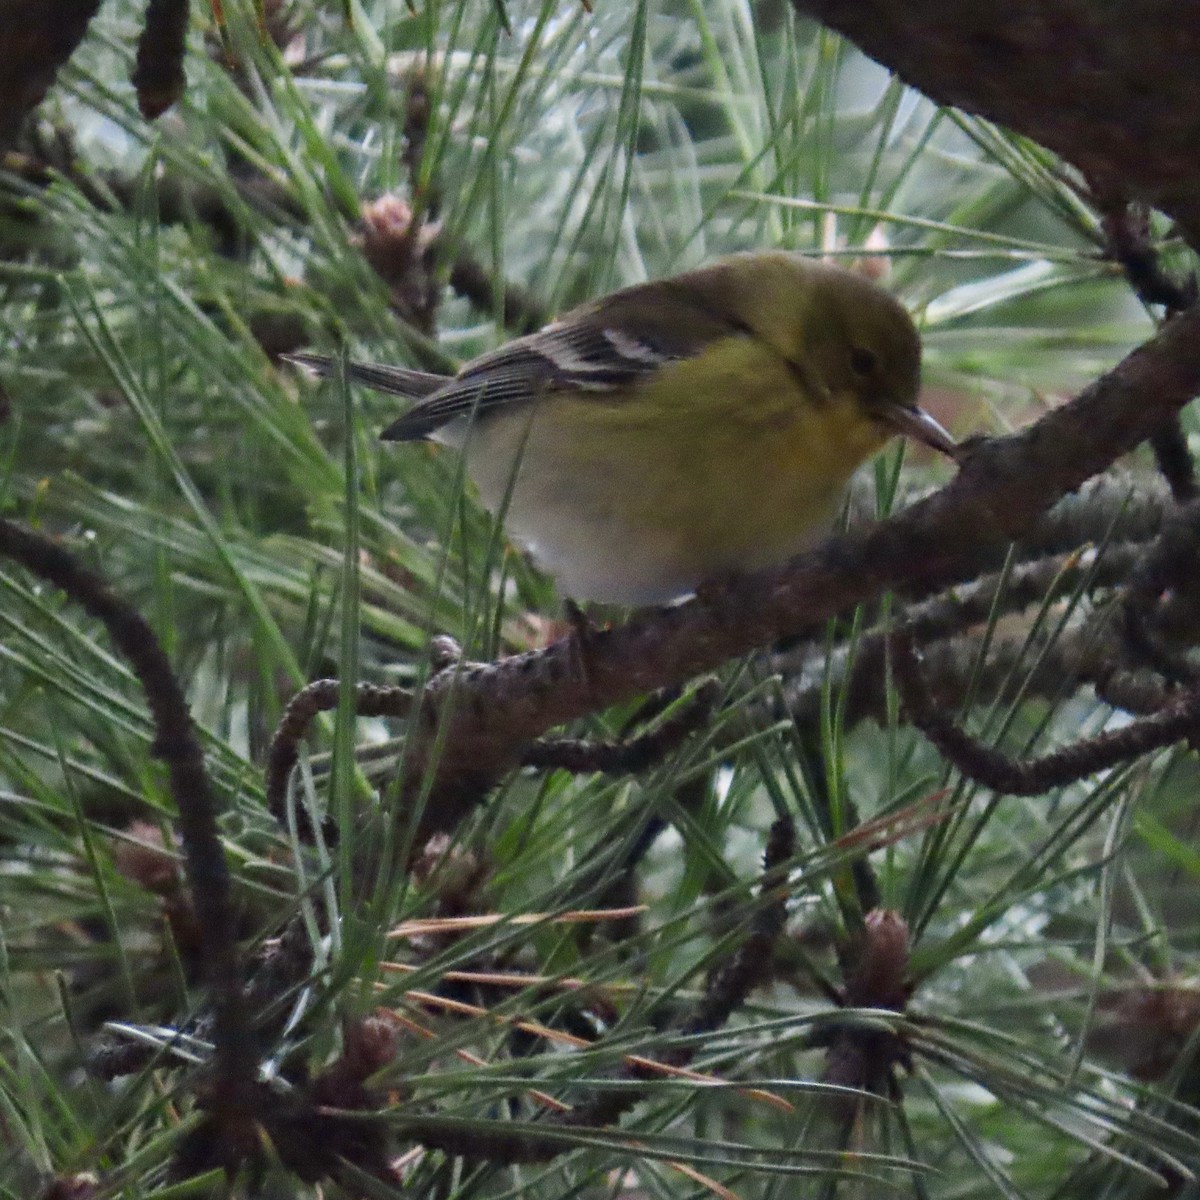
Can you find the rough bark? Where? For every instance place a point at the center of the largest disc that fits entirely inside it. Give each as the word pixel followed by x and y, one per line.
pixel 1110 86
pixel 36 39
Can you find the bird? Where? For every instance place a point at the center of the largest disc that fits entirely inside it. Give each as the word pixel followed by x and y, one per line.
pixel 677 431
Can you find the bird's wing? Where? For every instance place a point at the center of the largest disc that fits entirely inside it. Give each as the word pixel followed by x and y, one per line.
pixel 601 348
pixel 560 358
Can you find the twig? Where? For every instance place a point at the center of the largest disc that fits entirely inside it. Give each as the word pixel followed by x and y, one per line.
pixel 626 756
pixel 317 697
pixel 1127 229
pixel 158 74
pixel 474 283
pixel 987 766
pixel 858 673
pixel 176 743
pixel 1171 562
pixel 1174 459
pixel 751 966
pixel 418 112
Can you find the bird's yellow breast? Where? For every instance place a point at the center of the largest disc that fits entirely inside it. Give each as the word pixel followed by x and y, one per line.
pixel 716 464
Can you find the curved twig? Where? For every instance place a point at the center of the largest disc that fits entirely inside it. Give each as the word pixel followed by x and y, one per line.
pixel 176 743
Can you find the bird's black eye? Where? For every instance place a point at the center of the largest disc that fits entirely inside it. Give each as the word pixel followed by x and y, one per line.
pixel 863 361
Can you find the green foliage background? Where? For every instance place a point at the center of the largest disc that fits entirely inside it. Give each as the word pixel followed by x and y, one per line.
pixel 255 520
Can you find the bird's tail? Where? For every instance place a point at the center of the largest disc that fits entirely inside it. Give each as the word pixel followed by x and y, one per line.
pixel 398 381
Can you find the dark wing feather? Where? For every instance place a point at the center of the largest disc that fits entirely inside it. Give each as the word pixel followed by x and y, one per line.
pixel 575 355
pixel 459 398
pixel 564 357
pixel 599 348
pixel 398 381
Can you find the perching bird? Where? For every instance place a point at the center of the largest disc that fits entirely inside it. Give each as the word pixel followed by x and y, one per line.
pixel 679 430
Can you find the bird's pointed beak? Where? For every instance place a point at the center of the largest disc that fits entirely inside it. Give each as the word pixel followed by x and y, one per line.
pixel 917 424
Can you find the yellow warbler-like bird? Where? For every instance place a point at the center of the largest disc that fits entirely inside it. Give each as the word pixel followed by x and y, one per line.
pixel 678 430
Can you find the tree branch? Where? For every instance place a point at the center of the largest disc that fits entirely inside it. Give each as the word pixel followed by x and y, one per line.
pixel 1106 86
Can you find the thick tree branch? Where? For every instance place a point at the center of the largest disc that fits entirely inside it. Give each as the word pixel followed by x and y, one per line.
pixel 491 712
pixel 1106 86
pixel 36 39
